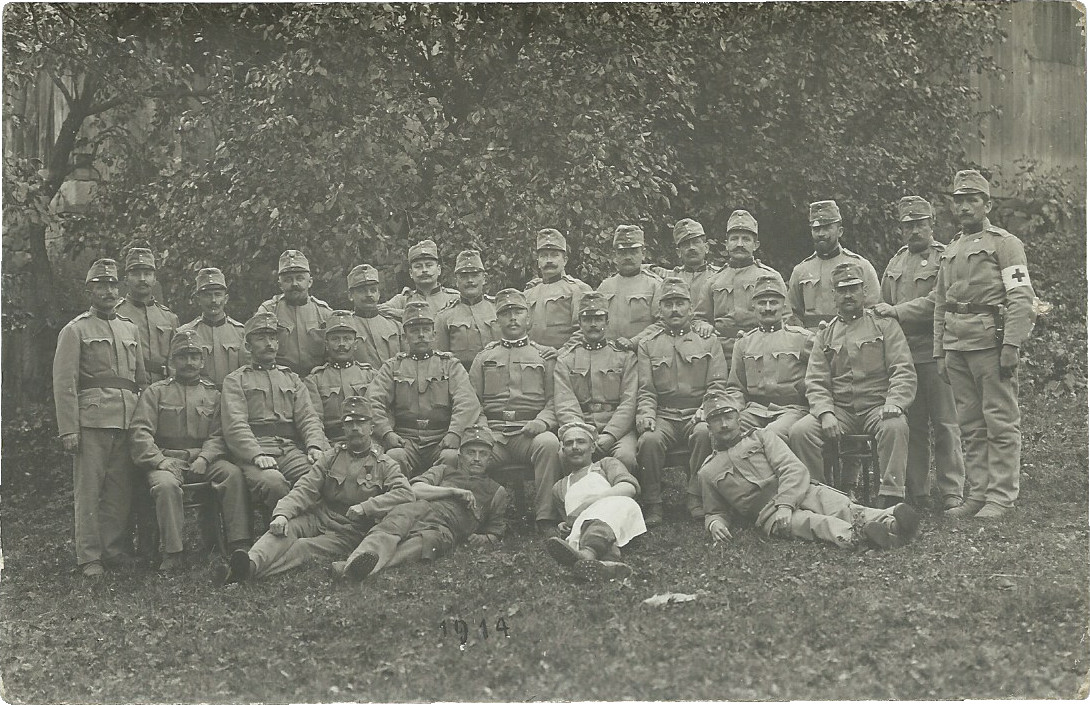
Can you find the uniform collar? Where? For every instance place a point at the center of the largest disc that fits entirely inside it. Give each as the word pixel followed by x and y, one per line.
pixel 104 315
pixel 778 325
pixel 424 356
pixel 595 346
pixel 698 270
pixel 685 330
pixel 341 365
pixel 732 265
pixel 140 304
pixel 214 324
pixel 191 383
pixel 364 454
pixel 520 343
pixel 257 366
pixel 832 254
pixel 850 319
pixel 467 302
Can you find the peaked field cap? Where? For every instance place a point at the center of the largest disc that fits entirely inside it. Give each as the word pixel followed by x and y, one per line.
pixel 139 257
pixel 674 288
pixel 720 403
pixel 551 239
pixel 823 213
pixel 468 261
pixel 355 408
pixel 185 341
pixel 506 298
pixel 416 311
pixel 593 303
pixel 210 278
pixel 687 229
pixel 102 270
pixel 293 261
pixel 339 320
pixel 362 274
pixel 742 220
pixel 261 321
pixel 477 434
pixel 628 237
pixel 425 249
pixel 913 208
pixel 768 285
pixel 847 274
pixel 971 181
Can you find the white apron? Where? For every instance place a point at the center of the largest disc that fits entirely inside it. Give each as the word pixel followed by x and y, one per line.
pixel 622 514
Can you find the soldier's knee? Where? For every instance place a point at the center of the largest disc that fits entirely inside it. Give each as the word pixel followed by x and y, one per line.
pixel 399 456
pixel 165 486
pixel 803 429
pixel 650 440
pixel 546 442
pixel 896 426
pixel 448 457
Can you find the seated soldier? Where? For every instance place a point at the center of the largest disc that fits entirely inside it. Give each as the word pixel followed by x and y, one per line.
pixel 341 376
pixel 330 509
pixel 600 512
pixel 754 477
pixel 176 437
pixel 268 418
pixel 769 363
pixel 455 503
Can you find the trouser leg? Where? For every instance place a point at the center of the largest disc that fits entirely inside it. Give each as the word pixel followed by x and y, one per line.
pixel 598 536
pixel 625 451
pixel 267 487
pixel 807 442
pixel 651 450
pixel 949 464
pixel 543 451
pixel 115 501
pixel 166 492
pixel 270 554
pixel 968 399
pixel 826 514
pixel 892 436
pixel 228 482
pixel 1002 420
pixel 918 465
pixel 293 464
pixel 781 425
pixel 383 539
pixel 88 481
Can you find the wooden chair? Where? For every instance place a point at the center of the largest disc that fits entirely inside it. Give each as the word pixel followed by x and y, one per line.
pixel 203 497
pixel 515 476
pixel 863 449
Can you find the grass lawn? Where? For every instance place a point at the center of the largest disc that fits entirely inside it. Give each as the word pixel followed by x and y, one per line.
pixel 971 610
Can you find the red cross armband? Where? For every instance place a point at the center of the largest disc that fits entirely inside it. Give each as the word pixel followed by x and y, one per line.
pixel 1015 276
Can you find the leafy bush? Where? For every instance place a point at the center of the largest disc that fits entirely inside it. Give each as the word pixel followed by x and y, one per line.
pixel 33 462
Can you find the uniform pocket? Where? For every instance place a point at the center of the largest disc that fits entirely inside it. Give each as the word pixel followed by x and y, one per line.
pixel 810 290
pixel 788 365
pixel 754 367
pixel 257 403
pixel 558 310
pixel 163 333
pixel 610 381
pixel 497 378
pixel 663 375
pixel 532 378
pixel 872 356
pixel 464 338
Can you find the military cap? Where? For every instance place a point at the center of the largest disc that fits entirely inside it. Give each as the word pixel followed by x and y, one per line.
pixel 185 341
pixel 823 213
pixel 262 320
pixel 468 261
pixel 477 434
pixel 593 303
pixel 687 229
pixel 551 239
pixel 506 298
pixel 720 403
pixel 293 261
pixel 742 220
pixel 586 429
pixel 913 208
pixel 766 285
pixel 103 270
pixel 626 237
pixel 417 311
pixel 674 288
pixel 424 249
pixel 139 257
pixel 971 181
pixel 847 274
pixel 210 278
pixel 355 409
pixel 339 320
pixel 362 274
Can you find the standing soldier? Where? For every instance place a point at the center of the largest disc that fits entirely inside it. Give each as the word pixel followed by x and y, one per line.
pixel 631 291
pixel 465 327
pixel 422 400
pixel 596 383
pixel 727 300
pixel 96 373
pixel 677 368
pixel 340 377
pixel 176 438
pixel 424 270
pixel 553 296
pixel 983 314
pixel 514 381
pixel 155 321
pixel 299 314
pixel 379 329
pixel 220 336
pixel 907 284
pixel 268 417
pixel 810 290
pixel 860 380
pixel 692 252
pixel 769 366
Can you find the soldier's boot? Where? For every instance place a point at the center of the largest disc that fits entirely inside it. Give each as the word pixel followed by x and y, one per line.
pixel 173 563
pixel 564 553
pixel 360 565
pixel 951 501
pixel 894 534
pixel 238 569
pixel 92 570
pixel 547 528
pixel 992 510
pixel 602 571
pixel 967 509
pixel 652 515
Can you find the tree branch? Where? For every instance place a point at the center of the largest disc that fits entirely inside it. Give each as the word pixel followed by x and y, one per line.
pixel 63 89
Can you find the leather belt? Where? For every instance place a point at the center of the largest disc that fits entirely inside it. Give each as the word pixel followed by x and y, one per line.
pixel 280 429
pixel 959 307
pixel 426 424
pixel 596 407
pixel 178 442
pixel 508 415
pixel 108 383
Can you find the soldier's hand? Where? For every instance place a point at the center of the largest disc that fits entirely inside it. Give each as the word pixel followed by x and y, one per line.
pixel 314 454
pixel 703 328
pixel 605 442
pixel 1008 361
pixel 626 344
pixel 175 466
pixel 450 442
pixel 199 466
pixel 548 353
pixel 830 427
pixel 534 427
pixel 645 425
pixel 265 462
pixel 719 531
pixel 356 513
pixel 470 500
pixel 392 440
pixel 278 526
pixel 70 442
pixel 563 528
pixel 479 540
pixel 781 523
pixel 884 310
pixel 892 411
pixel 940 367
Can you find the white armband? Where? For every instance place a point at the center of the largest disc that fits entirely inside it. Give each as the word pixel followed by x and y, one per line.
pixel 1014 276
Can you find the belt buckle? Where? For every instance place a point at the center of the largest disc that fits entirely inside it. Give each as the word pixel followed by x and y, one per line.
pixel 422 424
pixel 508 415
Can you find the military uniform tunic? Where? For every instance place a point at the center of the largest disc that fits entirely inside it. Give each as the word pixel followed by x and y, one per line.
pixel 554 309
pixel 317 507
pixel 697 279
pixel 380 339
pixel 727 301
pixel 330 384
pixel 156 324
pixel 464 329
pixel 224 345
pixel 769 369
pixel 302 345
pixel 810 289
pixel 630 302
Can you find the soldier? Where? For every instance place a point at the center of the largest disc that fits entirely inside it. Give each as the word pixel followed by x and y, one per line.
pixel 96 376
pixel 553 296
pixel 514 381
pixel 454 504
pixel 330 509
pixel 220 336
pixel 692 252
pixel 299 314
pixel 465 327
pixel 596 382
pixel 176 438
pixel 341 377
pixel 769 366
pixel 424 270
pixel 380 336
pixel 907 286
pixel 597 500
pixel 155 321
pixel 810 290
pixel 727 300
pixel 983 313
pixel 677 368
pixel 422 399
pixel 860 381
pixel 267 417
pixel 754 477
pixel 631 290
